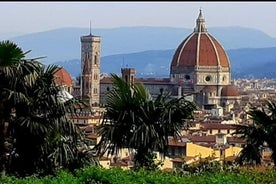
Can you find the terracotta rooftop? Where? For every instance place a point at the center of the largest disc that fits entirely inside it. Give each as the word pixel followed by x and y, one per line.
pixel 176 142
pixel 206 139
pixel 212 126
pixel 62 77
pixel 229 91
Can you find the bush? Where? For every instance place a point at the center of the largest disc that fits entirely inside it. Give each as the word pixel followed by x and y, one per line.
pixel 97 175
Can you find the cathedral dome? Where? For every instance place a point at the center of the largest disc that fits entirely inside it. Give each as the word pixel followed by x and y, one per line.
pixel 200 49
pixel 62 77
pixel 229 91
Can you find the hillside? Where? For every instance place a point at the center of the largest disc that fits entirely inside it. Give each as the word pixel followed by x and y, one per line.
pixel 64 43
pixel 250 62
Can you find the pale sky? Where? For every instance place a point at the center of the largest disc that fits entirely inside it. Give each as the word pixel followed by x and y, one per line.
pixel 30 17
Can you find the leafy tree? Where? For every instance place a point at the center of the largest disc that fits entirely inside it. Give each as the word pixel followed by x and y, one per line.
pixel 40 136
pixel 134 120
pixel 259 134
pixel 12 64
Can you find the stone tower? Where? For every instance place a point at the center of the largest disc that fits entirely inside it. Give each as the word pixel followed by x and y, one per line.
pixel 90 68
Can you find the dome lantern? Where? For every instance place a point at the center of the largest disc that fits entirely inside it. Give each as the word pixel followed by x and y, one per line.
pixel 200 23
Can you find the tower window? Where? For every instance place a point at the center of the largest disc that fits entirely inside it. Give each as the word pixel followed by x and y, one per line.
pixel 132 79
pixel 86 84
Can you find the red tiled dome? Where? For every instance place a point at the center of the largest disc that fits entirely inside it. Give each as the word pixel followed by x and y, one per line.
pixel 200 49
pixel 229 91
pixel 62 77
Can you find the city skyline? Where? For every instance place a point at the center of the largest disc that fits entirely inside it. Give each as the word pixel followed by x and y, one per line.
pixel 19 18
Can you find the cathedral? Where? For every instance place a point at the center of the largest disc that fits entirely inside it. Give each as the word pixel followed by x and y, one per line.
pixel 200 70
pixel 201 65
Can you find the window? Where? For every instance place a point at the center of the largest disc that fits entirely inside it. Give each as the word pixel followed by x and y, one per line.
pixel 95 60
pixel 224 78
pixel 208 78
pixel 86 84
pixel 132 79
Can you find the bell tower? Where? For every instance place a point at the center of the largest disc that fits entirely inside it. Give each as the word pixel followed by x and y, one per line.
pixel 90 68
pixel 128 75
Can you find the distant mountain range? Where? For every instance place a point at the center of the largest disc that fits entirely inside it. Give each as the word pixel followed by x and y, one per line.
pixel 150 49
pixel 245 63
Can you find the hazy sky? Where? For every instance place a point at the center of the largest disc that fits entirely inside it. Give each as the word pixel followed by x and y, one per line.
pixel 28 17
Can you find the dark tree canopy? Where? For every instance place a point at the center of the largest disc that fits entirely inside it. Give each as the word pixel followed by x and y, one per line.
pixel 36 134
pixel 259 134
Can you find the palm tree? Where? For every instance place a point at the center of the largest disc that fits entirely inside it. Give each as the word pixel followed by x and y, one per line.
pixel 11 63
pixel 44 137
pixel 261 133
pixel 134 120
pixel 34 121
pixel 249 155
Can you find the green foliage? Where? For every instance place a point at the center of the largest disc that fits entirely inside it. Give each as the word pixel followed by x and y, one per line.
pixel 206 166
pixel 10 54
pixel 134 120
pixel 147 161
pixel 115 175
pixel 259 134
